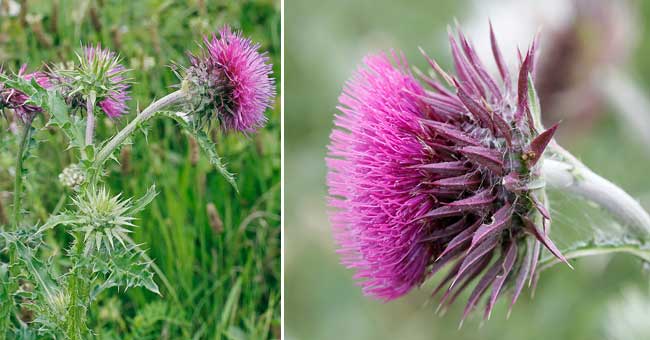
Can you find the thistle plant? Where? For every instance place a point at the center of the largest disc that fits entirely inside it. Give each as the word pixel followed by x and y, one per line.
pixel 228 86
pixel 448 173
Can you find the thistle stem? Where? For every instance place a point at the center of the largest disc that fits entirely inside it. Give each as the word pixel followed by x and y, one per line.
pixel 90 121
pixel 569 174
pixel 120 137
pixel 18 184
pixel 76 309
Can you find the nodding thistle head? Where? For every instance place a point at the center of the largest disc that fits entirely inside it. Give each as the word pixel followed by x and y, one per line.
pixel 422 179
pixel 230 82
pixel 19 101
pixel 99 77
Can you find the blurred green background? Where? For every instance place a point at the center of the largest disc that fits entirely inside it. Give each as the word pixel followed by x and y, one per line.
pixel 218 280
pixel 325 41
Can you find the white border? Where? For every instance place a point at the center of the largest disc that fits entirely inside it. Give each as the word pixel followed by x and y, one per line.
pixel 282 165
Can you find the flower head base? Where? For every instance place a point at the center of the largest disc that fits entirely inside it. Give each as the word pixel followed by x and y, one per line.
pixel 19 101
pixel 99 76
pixel 422 179
pixel 230 82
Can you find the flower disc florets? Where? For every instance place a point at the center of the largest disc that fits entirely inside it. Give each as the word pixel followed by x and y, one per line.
pixel 424 178
pixel 230 82
pixel 99 76
pixel 19 101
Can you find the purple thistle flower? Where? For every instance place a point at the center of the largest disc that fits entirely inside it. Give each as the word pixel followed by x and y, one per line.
pixel 104 64
pixel 423 179
pixel 115 104
pixel 232 82
pixel 99 75
pixel 17 100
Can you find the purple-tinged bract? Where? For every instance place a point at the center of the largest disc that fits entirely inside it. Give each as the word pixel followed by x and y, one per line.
pixel 105 66
pixel 18 101
pixel 99 76
pixel 231 81
pixel 446 176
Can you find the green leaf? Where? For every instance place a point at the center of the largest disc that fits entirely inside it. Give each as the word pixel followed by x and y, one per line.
pixel 89 153
pixel 56 220
pixel 230 307
pixel 208 147
pixel 581 228
pixel 73 128
pixel 640 250
pixel 47 286
pixel 143 201
pixel 124 268
pixel 19 84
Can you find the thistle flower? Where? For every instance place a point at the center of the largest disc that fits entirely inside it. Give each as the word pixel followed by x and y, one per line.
pixel 425 178
pixel 230 81
pixel 99 76
pixel 17 100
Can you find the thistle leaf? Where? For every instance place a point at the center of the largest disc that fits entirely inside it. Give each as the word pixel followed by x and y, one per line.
pixel 144 201
pixel 583 229
pixel 208 147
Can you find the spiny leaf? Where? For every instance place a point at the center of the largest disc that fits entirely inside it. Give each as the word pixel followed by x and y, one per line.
pixel 125 268
pixel 208 147
pixel 72 127
pixel 144 201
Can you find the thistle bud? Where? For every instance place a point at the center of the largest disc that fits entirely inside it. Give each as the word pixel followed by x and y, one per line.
pixel 104 220
pixel 73 176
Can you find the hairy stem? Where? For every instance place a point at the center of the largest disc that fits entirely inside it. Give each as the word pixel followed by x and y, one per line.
pixel 77 290
pixel 120 137
pixel 18 184
pixel 569 174
pixel 90 121
pixel 7 305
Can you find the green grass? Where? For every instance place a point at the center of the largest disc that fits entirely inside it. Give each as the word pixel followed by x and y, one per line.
pixel 216 283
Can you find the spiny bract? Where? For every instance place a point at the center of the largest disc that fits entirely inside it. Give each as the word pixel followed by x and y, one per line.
pixel 19 101
pixel 99 75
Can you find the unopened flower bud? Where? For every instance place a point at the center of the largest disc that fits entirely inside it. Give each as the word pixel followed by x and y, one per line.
pixel 73 176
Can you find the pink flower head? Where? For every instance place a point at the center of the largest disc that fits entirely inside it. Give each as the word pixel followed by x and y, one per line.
pixel 17 100
pixel 233 81
pixel 104 66
pixel 421 179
